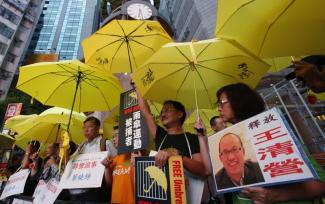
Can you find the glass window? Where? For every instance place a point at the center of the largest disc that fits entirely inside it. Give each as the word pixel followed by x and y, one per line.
pixel 6 31
pixel 3 48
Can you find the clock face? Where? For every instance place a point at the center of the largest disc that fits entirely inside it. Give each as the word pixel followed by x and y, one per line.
pixel 139 11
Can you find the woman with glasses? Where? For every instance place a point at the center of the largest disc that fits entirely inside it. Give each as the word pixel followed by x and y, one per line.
pixel 237 102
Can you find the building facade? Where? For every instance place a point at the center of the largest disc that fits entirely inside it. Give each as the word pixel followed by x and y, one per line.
pixel 63 25
pixel 17 22
pixel 190 19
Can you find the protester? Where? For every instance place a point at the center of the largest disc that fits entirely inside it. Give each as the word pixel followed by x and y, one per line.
pixel 93 143
pixel 172 140
pixel 51 167
pixel 311 70
pixel 33 162
pixel 236 170
pixel 119 174
pixel 238 102
pixel 217 124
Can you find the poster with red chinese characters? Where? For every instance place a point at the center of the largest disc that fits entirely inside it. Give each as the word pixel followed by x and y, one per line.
pixel 84 171
pixel 259 151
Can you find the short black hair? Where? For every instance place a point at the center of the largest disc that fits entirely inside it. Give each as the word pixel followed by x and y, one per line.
pixel 230 133
pixel 115 127
pixel 36 145
pixel 178 106
pixel 72 147
pixel 94 119
pixel 244 101
pixel 212 119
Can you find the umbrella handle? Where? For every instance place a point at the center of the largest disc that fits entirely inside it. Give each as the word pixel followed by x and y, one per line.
pixel 151 185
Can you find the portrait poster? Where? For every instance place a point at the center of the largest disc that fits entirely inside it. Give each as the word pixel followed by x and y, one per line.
pixel 13 109
pixel 133 130
pixel 159 185
pixel 259 151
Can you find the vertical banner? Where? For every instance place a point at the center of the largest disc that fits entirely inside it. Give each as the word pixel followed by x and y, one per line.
pixel 259 151
pixel 13 109
pixel 133 130
pixel 165 185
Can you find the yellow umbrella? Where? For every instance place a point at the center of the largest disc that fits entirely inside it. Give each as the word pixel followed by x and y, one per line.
pixel 186 71
pixel 158 176
pixel 69 84
pixel 123 45
pixel 205 116
pixel 48 126
pixel 274 28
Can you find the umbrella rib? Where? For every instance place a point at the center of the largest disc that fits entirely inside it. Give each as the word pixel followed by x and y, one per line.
pixel 33 78
pixel 129 55
pixel 183 81
pixel 136 29
pixel 121 28
pixel 222 73
pixel 98 49
pixel 243 5
pixel 110 35
pixel 269 27
pixel 205 87
pixel 155 34
pixel 188 60
pixel 99 90
pixel 219 58
pixel 168 63
pixel 206 47
pixel 133 40
pixel 119 47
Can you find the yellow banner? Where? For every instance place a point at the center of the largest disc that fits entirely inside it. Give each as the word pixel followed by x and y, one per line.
pixel 177 180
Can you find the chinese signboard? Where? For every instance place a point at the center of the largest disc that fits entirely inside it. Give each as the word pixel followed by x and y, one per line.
pixel 48 193
pixel 258 151
pixel 166 185
pixel 85 171
pixel 13 109
pixel 133 131
pixel 15 184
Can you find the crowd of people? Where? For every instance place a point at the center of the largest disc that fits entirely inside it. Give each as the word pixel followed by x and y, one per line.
pixel 236 102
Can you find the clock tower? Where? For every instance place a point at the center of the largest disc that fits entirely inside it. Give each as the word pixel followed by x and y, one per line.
pixel 138 10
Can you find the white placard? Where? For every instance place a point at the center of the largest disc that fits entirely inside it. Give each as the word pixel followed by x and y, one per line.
pixel 39 188
pixel 15 184
pixel 264 147
pixel 85 171
pixel 19 201
pixel 49 193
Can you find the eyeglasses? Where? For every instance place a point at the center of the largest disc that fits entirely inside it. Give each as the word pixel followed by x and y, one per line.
pixel 222 103
pixel 167 110
pixel 234 150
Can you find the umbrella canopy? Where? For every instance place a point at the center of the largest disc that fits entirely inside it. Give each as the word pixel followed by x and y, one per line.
pixel 12 121
pixel 158 176
pixel 275 28
pixel 205 116
pixel 181 71
pixel 123 45
pixel 69 84
pixel 48 126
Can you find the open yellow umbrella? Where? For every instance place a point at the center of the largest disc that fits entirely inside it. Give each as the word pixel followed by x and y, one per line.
pixel 158 177
pixel 70 84
pixel 17 119
pixel 274 28
pixel 123 45
pixel 48 126
pixel 196 70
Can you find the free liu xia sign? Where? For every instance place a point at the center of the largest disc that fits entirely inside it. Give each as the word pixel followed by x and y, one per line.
pixel 259 151
pixel 165 185
pixel 133 131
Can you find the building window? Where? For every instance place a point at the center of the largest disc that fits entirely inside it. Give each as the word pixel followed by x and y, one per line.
pixel 11 58
pixel 6 31
pixel 3 48
pixel 17 42
pixel 9 15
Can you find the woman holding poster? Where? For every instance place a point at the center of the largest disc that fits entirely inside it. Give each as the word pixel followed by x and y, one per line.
pixel 237 102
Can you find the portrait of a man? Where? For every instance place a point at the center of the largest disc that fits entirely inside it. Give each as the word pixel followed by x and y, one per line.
pixel 237 170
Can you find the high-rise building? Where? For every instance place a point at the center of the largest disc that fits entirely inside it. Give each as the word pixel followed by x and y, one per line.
pixel 63 25
pixel 190 19
pixel 17 22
